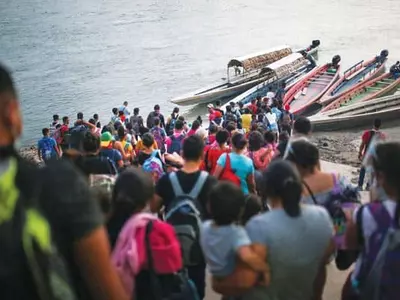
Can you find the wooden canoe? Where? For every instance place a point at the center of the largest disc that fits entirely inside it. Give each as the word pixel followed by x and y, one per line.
pixel 357 74
pixel 311 88
pixel 381 86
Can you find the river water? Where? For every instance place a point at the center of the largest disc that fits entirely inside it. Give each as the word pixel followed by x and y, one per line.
pixel 69 56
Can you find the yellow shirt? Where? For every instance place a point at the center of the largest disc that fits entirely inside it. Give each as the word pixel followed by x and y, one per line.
pixel 139 145
pixel 246 122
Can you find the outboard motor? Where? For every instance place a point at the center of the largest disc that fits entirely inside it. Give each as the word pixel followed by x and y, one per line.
pixel 384 53
pixel 336 60
pixel 315 44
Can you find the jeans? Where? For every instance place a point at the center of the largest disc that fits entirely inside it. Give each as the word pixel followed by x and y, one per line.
pixel 198 275
pixel 361 177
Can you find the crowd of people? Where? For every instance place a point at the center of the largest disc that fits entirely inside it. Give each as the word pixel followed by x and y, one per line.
pixel 141 210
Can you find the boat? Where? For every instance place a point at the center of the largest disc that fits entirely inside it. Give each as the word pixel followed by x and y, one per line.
pixel 383 85
pixel 246 71
pixel 357 74
pixel 359 114
pixel 289 69
pixel 312 87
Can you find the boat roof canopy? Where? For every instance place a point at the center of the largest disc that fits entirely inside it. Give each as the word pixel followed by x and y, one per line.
pixel 260 59
pixel 285 66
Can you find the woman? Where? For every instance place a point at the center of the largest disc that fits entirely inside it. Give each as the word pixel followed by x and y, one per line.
pixel 213 152
pixel 298 238
pixel 194 128
pixel 317 184
pixel 370 224
pixel 241 165
pixel 260 156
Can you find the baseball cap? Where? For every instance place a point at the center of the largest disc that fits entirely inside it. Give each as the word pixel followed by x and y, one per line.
pixel 106 139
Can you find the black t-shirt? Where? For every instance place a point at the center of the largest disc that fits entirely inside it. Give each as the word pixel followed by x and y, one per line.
pixel 93 164
pixel 71 210
pixel 187 182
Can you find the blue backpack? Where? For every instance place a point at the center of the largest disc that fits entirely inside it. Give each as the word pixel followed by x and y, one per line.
pixel 176 144
pixel 153 165
pixel 379 276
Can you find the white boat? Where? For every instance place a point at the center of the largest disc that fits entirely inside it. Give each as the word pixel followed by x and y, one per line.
pixel 289 69
pixel 246 74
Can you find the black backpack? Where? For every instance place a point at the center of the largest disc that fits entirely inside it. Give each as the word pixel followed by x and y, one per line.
pixel 185 215
pixel 31 267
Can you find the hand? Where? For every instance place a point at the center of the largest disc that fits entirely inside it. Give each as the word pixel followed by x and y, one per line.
pixel 360 157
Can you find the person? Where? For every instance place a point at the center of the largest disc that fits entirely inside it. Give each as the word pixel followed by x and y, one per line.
pixel 185 125
pixel 229 117
pixel 64 129
pixel 366 139
pixel 47 147
pixel 187 177
pixel 169 128
pixel 280 93
pixel 281 148
pixel 218 108
pixel 159 135
pixel 270 96
pixel 215 116
pixel 275 110
pixel 226 244
pixel 298 238
pixel 54 124
pixel 96 118
pixel 241 108
pixel 194 128
pixel 107 149
pixel 214 152
pixel 286 120
pixel 174 142
pixel 272 121
pixel 90 162
pixel 121 117
pixel 143 232
pixel 155 114
pixel 395 70
pixel 92 126
pixel 202 133
pixel 301 131
pixel 260 156
pixel 253 107
pixel 148 148
pixel 115 116
pixel 123 146
pixel 125 110
pixel 246 120
pixel 241 165
pixel 370 225
pixel 60 202
pixel 212 132
pixel 136 120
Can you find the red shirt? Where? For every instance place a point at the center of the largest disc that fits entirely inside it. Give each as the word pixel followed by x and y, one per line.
pixel 63 129
pixel 213 153
pixel 253 108
pixel 367 137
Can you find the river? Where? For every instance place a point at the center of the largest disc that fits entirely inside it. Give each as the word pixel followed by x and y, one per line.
pixel 69 56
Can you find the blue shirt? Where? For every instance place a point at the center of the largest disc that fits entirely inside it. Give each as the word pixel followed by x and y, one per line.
pixel 220 244
pixel 46 146
pixel 114 155
pixel 242 167
pixel 295 246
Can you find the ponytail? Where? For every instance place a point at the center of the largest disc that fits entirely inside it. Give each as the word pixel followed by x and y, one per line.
pixel 291 198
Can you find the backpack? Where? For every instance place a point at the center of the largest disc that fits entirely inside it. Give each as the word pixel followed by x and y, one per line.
pixel 135 122
pixel 157 134
pixel 176 144
pixel 171 125
pixel 229 117
pixel 29 259
pixel 380 270
pixel 286 119
pixel 184 215
pixel 154 166
pixel 228 174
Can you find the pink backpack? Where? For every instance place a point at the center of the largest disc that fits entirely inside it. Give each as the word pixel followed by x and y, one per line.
pixel 129 255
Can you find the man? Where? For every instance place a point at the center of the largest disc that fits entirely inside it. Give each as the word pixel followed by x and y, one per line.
pixel 366 140
pixel 47 147
pixel 187 177
pixel 96 118
pixel 53 125
pixel 235 110
pixel 125 110
pixel 136 121
pixel 286 120
pixel 155 114
pixel 159 135
pixel 64 136
pixel 246 120
pixel 218 107
pixel 253 107
pixel 79 119
pixel 69 213
pixel 171 121
pixel 280 93
pixel 301 130
pixel 107 149
pixel 270 96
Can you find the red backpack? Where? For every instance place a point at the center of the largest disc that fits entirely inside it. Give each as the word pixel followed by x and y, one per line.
pixel 228 174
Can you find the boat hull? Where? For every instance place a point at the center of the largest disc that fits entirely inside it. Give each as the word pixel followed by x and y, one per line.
pixel 355 76
pixel 310 89
pixel 381 86
pixel 357 115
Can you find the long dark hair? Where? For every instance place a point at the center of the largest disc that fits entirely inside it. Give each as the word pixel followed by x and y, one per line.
pixel 281 180
pixel 386 160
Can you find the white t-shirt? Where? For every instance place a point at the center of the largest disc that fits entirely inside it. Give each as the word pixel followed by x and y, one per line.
pixel 270 96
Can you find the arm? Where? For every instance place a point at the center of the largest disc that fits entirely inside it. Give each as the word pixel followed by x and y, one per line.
pixel 39 154
pixel 251 183
pixel 118 146
pixel 320 279
pixel 220 166
pixel 361 150
pixel 92 255
pixel 255 261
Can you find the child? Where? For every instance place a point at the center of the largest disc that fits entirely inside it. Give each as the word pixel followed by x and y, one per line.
pixel 253 207
pixel 236 264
